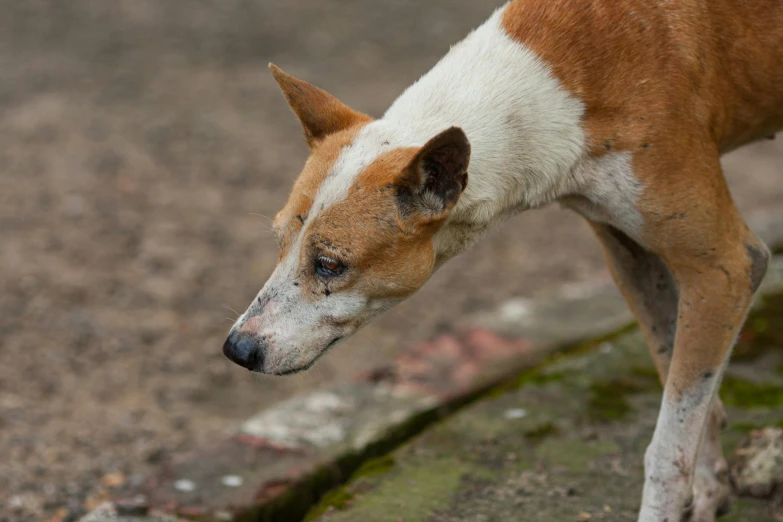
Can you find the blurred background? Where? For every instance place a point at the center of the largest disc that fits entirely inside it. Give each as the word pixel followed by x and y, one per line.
pixel 144 148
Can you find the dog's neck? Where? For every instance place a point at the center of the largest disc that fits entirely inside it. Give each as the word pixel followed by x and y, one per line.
pixel 524 129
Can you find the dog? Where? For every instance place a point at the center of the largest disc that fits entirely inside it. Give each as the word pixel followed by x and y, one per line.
pixel 616 109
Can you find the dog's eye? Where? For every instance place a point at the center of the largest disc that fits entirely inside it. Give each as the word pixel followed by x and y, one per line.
pixel 328 267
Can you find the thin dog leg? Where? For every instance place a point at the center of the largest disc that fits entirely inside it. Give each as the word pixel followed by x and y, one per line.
pixel 651 292
pixel 717 263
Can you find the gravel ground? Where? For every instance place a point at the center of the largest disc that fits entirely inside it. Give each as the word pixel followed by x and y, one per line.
pixel 143 147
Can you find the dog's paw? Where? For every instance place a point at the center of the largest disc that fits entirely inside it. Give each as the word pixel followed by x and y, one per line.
pixel 711 494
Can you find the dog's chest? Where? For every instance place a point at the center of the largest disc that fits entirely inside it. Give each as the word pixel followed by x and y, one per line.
pixel 606 191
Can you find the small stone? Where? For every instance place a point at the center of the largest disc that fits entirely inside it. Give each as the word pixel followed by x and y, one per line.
pixel 135 480
pixel 113 480
pixel 60 515
pixel 515 309
pixel 132 507
pixel 516 413
pixel 757 466
pixel 157 455
pixel 93 501
pixel 583 517
pixel 16 502
pixel 184 485
pixel 232 481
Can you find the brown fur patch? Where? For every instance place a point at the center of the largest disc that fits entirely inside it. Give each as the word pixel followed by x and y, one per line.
pixel 320 113
pixel 676 84
pixel 294 214
pixel 649 71
pixel 387 255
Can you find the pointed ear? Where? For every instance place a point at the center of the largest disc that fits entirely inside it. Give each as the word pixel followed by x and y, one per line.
pixel 434 180
pixel 319 112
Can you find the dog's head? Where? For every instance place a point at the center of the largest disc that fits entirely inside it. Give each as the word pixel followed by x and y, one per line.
pixel 356 235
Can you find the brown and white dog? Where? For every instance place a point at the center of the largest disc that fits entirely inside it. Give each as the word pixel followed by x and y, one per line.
pixel 617 109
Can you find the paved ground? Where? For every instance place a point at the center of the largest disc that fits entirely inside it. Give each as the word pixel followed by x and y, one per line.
pixel 564 443
pixel 143 143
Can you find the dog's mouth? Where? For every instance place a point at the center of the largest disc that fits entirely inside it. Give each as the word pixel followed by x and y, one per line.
pixel 311 363
pixel 332 343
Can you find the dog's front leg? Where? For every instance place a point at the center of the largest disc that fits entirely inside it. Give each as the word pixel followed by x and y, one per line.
pixel 651 292
pixel 715 294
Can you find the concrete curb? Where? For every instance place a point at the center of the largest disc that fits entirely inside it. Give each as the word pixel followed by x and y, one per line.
pixel 283 459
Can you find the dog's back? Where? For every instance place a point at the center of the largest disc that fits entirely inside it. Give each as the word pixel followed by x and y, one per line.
pixel 648 71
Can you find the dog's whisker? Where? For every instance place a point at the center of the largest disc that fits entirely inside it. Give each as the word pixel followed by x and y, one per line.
pixel 261 215
pixel 231 310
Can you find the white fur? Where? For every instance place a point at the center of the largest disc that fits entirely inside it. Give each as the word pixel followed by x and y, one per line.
pixel 370 143
pixel 606 193
pixel 524 129
pixel 670 457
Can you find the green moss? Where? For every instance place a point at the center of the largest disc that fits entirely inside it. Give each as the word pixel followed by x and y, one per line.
pixel 412 493
pixel 574 455
pixel 537 433
pixel 747 427
pixel 744 427
pixel 587 346
pixel 747 394
pixel 646 372
pixel 542 378
pixel 744 509
pixel 538 375
pixel 339 498
pixel 294 502
pixel 374 467
pixel 609 399
pixel 535 377
pixel 762 331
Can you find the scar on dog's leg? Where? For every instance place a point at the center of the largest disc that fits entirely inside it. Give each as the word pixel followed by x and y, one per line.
pixel 651 292
pixel 717 264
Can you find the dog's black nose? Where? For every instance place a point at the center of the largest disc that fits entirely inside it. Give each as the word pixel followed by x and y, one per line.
pixel 245 351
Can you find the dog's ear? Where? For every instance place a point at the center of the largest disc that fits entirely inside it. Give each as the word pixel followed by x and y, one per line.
pixel 319 112
pixel 433 181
